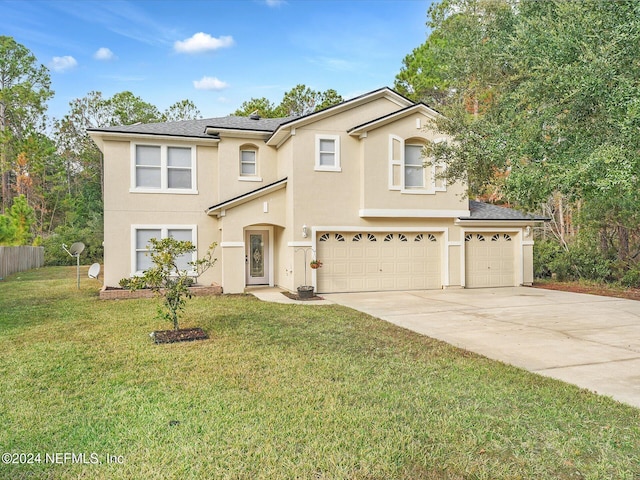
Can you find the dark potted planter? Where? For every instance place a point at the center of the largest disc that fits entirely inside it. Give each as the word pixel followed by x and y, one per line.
pixel 305 291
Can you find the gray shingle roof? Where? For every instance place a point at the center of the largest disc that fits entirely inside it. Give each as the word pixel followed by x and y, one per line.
pixel 196 128
pixel 486 211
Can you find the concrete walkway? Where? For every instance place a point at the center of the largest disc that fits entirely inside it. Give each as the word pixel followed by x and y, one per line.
pixel 275 295
pixel 586 340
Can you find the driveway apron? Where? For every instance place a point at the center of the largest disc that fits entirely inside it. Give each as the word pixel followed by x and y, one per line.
pixel 587 340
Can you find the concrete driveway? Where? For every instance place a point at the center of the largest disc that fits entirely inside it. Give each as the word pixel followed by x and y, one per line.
pixel 587 340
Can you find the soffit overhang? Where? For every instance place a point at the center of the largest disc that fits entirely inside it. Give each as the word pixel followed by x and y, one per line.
pixel 219 208
pixel 99 138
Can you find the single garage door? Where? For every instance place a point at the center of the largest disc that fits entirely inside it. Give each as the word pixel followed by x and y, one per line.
pixel 489 260
pixel 360 262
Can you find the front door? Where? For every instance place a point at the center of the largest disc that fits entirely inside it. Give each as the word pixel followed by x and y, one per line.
pixel 257 257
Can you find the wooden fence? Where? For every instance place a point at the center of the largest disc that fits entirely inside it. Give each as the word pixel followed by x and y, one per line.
pixel 19 259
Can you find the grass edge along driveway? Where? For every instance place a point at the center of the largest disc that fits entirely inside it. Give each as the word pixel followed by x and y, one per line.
pixel 278 391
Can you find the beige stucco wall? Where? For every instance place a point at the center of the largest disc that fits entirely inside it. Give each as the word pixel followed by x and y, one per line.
pixel 375 154
pixel 527 252
pixel 123 208
pixel 228 168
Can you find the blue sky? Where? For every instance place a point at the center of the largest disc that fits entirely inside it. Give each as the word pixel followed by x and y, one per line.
pixel 215 53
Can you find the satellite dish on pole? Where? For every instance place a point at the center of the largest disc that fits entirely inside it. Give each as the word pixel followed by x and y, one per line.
pixel 76 248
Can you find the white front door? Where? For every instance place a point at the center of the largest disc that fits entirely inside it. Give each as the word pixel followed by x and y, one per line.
pixel 257 257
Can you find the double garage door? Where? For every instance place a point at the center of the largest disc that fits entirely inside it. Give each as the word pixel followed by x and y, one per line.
pixel 366 261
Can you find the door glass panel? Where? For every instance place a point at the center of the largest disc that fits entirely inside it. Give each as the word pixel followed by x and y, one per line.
pixel 256 257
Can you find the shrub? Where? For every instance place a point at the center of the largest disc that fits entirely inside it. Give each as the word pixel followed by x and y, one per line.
pixel 545 253
pixel 166 280
pixel 582 263
pixel 631 278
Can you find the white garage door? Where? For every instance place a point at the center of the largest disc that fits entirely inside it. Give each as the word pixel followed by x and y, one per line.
pixel 489 260
pixel 359 262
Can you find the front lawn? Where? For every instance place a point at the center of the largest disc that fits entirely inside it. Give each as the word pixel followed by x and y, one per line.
pixel 277 392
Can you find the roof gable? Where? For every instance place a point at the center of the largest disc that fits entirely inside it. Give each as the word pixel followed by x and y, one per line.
pixel 285 129
pixel 392 117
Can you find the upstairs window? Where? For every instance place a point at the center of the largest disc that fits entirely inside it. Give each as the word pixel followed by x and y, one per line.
pixel 413 167
pixel 178 167
pixel 148 167
pixel 407 172
pixel 163 169
pixel 248 163
pixel 328 153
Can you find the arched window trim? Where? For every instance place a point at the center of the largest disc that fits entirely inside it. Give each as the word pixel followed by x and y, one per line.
pixel 248 167
pixel 398 167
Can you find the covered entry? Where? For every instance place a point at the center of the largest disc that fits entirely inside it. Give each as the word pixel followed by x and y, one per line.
pixel 372 261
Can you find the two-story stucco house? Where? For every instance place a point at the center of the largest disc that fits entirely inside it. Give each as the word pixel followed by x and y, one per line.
pixel 345 185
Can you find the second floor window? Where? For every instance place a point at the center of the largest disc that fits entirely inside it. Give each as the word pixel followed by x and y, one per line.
pixel 248 163
pixel 407 170
pixel 413 167
pixel 161 168
pixel 328 153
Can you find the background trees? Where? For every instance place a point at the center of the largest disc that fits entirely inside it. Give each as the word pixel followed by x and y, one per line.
pixel 542 101
pixel 300 100
pixel 24 90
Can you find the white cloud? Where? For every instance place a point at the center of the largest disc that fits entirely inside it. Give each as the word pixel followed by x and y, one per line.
pixel 202 42
pixel 210 83
pixel 274 3
pixel 104 54
pixel 62 64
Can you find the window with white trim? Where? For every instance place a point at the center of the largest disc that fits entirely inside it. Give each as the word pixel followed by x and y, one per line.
pixel 407 170
pixel 248 164
pixel 141 238
pixel 413 167
pixel 328 153
pixel 163 169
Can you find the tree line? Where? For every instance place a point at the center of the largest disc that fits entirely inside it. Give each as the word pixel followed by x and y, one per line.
pixel 52 185
pixel 542 100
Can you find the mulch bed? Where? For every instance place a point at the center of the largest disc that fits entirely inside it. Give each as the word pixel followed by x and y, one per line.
pixel 629 293
pixel 182 335
pixel 295 296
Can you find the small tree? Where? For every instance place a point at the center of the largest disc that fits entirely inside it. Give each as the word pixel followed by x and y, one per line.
pixel 166 279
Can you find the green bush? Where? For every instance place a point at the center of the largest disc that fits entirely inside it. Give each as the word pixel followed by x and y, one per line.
pixel 91 236
pixel 631 277
pixel 545 252
pixel 580 262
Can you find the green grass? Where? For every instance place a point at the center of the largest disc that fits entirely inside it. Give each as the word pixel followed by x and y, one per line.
pixel 279 392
